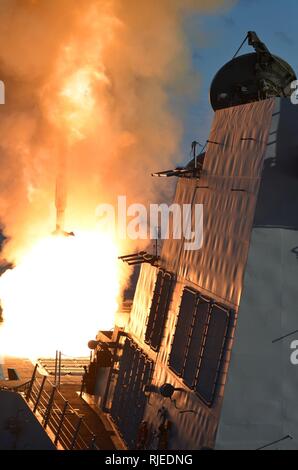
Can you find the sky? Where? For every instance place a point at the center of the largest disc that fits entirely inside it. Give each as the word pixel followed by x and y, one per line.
pixel 220 35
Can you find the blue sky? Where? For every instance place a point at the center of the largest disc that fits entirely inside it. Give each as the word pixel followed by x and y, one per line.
pixel 275 21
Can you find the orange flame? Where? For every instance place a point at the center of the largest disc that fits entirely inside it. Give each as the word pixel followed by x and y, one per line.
pixel 88 83
pixel 59 294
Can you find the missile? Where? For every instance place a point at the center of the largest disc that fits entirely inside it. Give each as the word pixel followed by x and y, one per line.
pixel 60 202
pixel 60 232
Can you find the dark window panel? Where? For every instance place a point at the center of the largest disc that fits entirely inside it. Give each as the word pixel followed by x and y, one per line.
pixel 124 366
pixel 128 385
pixel 129 419
pixel 129 399
pixel 196 342
pixel 212 353
pixel 162 311
pixel 183 327
pixel 154 306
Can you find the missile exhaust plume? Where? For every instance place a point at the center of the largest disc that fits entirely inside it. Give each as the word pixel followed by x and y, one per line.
pixel 88 108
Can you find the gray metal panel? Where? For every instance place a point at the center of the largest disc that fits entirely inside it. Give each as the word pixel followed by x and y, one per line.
pixel 234 162
pixel 260 403
pixel 217 269
pixel 19 427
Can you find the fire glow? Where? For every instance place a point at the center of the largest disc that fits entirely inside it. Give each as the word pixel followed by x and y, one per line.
pixel 65 288
pixel 59 294
pixel 88 110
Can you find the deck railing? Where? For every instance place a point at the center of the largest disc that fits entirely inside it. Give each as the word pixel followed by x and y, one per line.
pixel 67 427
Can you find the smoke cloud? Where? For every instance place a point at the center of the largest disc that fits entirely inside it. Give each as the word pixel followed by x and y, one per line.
pixel 88 83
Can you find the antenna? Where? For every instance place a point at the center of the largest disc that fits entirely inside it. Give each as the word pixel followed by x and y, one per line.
pixel 193 151
pixel 157 231
pixel 251 77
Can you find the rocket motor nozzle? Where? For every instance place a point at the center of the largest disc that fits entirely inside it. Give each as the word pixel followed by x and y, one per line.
pixel 60 232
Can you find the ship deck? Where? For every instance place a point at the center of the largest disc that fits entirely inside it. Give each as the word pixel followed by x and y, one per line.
pixel 70 386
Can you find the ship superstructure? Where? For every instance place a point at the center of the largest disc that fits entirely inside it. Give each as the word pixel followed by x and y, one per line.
pixel 197 366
